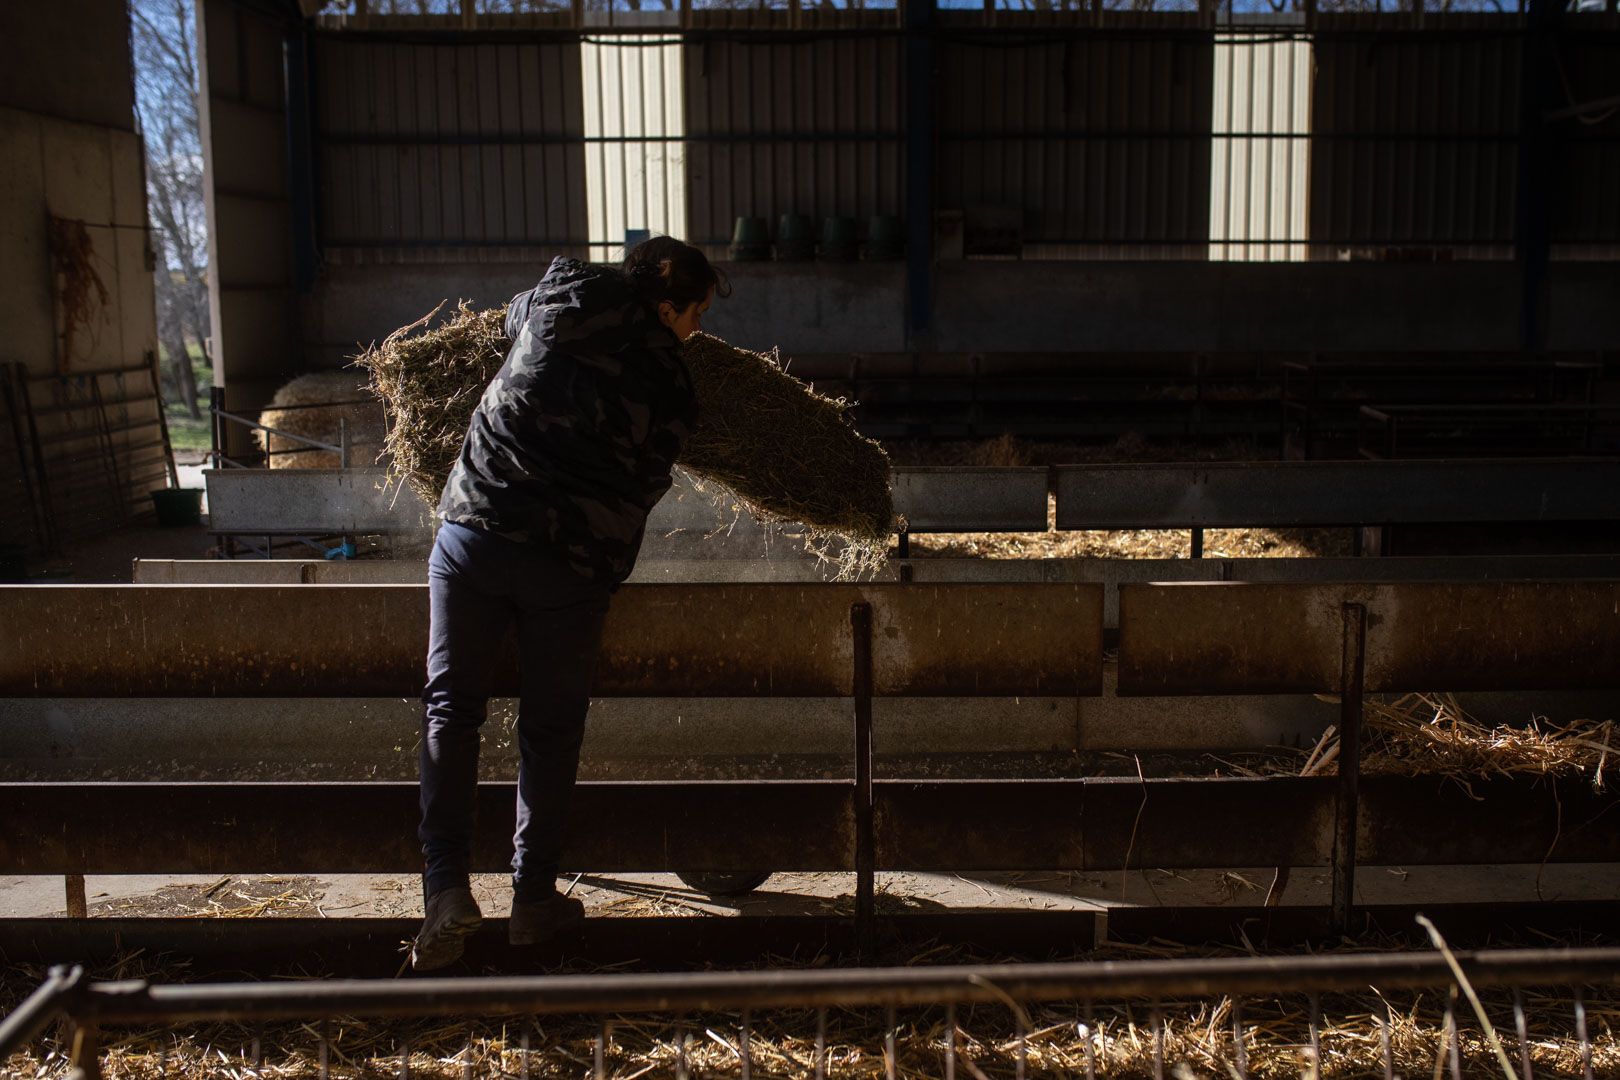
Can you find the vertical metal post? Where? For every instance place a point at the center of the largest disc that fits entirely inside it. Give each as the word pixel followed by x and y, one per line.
pixel 216 402
pixel 1536 168
pixel 302 194
pixel 1198 543
pixel 860 623
pixel 77 906
pixel 1344 826
pixel 918 16
pixel 86 1054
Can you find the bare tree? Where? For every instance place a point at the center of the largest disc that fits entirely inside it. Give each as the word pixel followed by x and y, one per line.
pixel 164 45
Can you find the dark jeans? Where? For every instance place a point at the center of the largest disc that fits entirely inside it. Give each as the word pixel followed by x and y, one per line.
pixel 481 585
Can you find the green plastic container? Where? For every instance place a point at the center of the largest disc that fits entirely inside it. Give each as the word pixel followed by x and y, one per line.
pixel 840 239
pixel 177 507
pixel 795 237
pixel 885 239
pixel 750 240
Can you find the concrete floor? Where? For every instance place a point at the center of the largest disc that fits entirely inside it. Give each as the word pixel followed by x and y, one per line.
pixel 607 895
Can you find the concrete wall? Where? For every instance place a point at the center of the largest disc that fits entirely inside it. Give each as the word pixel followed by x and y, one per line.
pixel 68 147
pixel 801 307
pixel 1049 306
pixel 68 59
pixel 69 150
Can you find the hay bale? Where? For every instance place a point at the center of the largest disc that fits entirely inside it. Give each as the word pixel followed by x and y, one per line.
pixel 784 452
pixel 317 417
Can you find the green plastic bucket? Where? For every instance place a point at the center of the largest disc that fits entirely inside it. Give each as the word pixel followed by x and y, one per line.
pixel 795 237
pixel 177 507
pixel 840 239
pixel 885 238
pixel 750 240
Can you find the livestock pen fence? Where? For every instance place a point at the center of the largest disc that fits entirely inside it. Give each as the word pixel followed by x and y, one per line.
pixel 857 642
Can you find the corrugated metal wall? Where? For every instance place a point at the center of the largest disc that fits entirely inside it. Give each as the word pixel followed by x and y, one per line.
pixel 809 127
pixel 450 145
pixel 1118 144
pixel 1101 142
pixel 1260 168
pixel 1415 142
pixel 1586 185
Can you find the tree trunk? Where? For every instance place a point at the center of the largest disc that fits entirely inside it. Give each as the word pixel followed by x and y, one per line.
pixel 185 380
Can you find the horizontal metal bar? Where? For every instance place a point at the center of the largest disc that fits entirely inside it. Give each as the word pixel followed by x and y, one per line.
pixel 360 947
pixel 704 640
pixel 1285 493
pixel 931 570
pixel 1243 638
pixel 370 947
pixel 137 1002
pixel 971 499
pixel 943 825
pixel 126 828
pixel 255 425
pixel 396 139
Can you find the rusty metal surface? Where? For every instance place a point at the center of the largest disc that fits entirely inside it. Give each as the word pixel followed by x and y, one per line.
pixel 1418 821
pixel 113 828
pixel 1496 636
pixel 1229 638
pixel 991 640
pixel 967 499
pixel 362 947
pixel 662 640
pixel 1284 493
pixel 1103 824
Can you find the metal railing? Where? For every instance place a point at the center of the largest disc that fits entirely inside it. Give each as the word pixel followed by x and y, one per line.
pixel 221 418
pixel 91 1007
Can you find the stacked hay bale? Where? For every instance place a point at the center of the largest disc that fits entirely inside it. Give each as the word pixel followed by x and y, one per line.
pixel 313 406
pixel 784 452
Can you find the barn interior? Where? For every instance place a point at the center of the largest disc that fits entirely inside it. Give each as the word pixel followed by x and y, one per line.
pixel 1249 373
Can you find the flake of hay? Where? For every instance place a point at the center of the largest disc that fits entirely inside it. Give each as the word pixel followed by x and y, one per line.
pixel 430 378
pixel 323 399
pixel 786 453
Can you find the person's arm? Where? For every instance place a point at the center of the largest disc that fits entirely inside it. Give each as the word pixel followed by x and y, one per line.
pixel 517 312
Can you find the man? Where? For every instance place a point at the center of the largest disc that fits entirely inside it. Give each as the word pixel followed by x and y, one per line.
pixel 569 449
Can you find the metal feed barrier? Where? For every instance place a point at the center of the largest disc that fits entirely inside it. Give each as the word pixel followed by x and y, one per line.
pixel 95 1009
pixel 1359 495
pixel 858 642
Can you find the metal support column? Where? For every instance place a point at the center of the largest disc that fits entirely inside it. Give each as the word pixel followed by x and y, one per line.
pixel 919 64
pixel 301 187
pixel 1536 167
pixel 78 906
pixel 860 623
pixel 1345 816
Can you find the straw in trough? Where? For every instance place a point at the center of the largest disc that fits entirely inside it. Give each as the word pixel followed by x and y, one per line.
pixel 784 452
pixel 312 406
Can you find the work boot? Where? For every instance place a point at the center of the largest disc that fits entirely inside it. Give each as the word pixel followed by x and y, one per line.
pixel 452 914
pixel 536 920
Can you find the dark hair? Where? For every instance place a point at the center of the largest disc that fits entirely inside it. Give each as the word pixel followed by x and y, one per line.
pixel 663 268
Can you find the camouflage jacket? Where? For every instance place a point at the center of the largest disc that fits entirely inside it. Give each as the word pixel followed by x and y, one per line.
pixel 573 441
